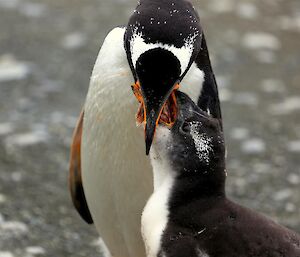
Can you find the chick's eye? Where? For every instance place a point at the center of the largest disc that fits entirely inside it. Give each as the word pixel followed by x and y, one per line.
pixel 185 127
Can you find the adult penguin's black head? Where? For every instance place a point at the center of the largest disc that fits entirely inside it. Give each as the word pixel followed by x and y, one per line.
pixel 162 40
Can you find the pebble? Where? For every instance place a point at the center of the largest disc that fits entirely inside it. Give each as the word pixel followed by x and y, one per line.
pixel 6 254
pixel 2 200
pixel 245 98
pixel 25 104
pixel 253 146
pixel 74 40
pixel 240 182
pixel 293 179
pixel 32 10
pixel 49 87
pixel 35 250
pixel 290 207
pixel 289 105
pixel 9 4
pixel 12 69
pixel 223 6
pixel 1 218
pixel 225 94
pixel 16 176
pixel 61 118
pixel 247 10
pixel 27 139
pixel 262 168
pixel 282 194
pixel 297 22
pixel 265 56
pixel 289 22
pixel 232 37
pixel 13 227
pixel 6 128
pixel 286 23
pixel 223 81
pixel 273 86
pixel 261 40
pixel 239 133
pixel 294 146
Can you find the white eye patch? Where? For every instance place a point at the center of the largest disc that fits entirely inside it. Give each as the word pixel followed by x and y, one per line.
pixel 138 46
pixel 201 141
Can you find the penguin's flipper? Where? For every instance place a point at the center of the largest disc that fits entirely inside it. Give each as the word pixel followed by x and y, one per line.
pixel 75 179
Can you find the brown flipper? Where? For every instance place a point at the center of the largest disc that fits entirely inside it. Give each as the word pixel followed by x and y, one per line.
pixel 75 179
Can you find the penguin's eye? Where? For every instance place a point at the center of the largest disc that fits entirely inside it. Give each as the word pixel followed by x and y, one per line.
pixel 185 127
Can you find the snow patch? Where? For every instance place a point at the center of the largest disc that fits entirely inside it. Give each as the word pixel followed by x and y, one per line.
pixel 202 142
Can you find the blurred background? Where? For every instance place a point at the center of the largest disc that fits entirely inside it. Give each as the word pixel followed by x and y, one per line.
pixel 47 52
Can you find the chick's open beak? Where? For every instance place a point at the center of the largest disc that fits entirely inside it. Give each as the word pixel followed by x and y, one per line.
pixel 160 109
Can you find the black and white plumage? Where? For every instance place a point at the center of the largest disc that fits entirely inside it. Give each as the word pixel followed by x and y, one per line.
pixel 188 213
pixel 163 40
pixel 108 159
pixel 173 26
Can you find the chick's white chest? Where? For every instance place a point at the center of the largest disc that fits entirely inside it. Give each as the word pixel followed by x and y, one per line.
pixel 156 211
pixel 155 218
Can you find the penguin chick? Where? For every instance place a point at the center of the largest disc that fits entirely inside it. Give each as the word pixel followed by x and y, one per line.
pixel 188 213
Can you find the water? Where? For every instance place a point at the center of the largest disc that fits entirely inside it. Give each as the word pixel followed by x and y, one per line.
pixel 47 51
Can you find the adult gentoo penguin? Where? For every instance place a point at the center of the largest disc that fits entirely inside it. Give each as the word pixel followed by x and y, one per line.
pixel 188 213
pixel 162 47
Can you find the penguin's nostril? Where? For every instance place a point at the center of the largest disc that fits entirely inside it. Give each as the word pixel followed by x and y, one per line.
pixel 186 128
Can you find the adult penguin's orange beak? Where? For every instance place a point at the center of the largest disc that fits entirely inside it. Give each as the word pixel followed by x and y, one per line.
pixel 155 107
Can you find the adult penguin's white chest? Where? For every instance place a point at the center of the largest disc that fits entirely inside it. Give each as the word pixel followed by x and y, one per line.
pixel 116 172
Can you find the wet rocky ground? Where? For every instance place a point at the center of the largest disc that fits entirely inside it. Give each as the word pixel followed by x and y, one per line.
pixel 47 51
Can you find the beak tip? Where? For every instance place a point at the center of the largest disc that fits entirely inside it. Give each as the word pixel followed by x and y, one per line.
pixel 147 151
pixel 149 134
pixel 148 145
